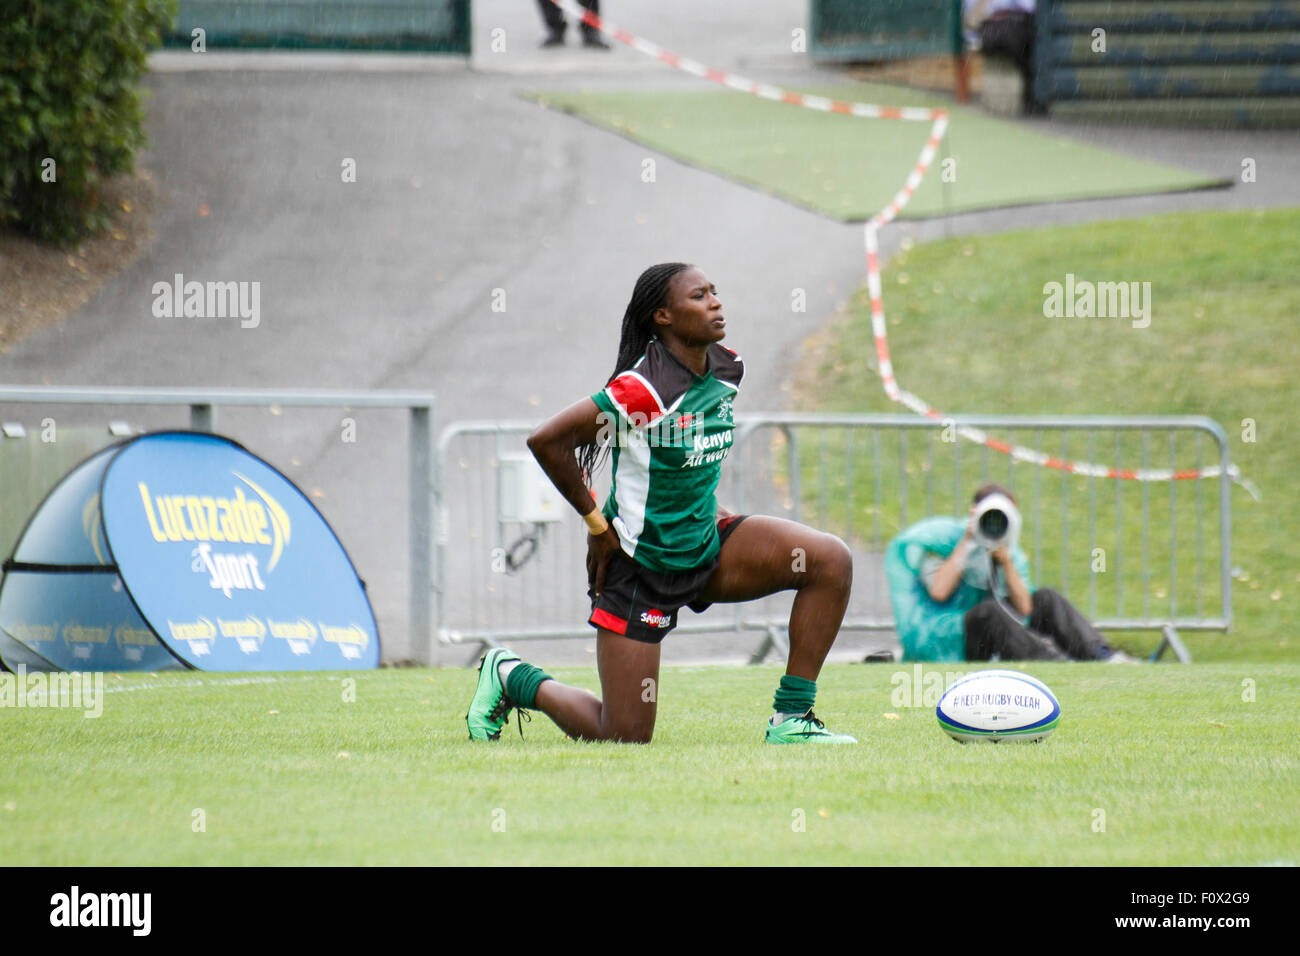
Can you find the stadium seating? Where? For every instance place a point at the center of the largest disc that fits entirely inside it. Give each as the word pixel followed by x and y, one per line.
pixel 1176 62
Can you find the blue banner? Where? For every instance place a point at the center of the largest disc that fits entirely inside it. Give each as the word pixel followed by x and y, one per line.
pixel 77 622
pixel 62 604
pixel 229 563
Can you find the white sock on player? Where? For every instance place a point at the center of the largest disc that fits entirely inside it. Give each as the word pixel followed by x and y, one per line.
pixel 504 669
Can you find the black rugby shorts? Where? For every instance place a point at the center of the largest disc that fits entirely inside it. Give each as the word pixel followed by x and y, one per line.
pixel 643 604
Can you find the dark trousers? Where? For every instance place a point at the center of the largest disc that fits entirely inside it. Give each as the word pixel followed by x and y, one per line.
pixel 554 17
pixel 1011 34
pixel 1056 632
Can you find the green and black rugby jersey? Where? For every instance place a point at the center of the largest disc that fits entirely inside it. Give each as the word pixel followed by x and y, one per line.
pixel 669 430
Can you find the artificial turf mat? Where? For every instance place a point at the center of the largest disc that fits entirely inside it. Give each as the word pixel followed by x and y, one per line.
pixel 848 168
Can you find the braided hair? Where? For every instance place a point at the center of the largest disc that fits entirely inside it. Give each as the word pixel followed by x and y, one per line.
pixel 649 294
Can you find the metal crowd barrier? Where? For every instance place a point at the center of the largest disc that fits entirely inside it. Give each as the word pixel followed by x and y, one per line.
pixel 1131 555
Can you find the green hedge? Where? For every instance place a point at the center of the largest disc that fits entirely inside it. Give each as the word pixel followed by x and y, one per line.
pixel 69 92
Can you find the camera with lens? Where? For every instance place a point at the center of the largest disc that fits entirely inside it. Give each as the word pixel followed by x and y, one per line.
pixel 996 522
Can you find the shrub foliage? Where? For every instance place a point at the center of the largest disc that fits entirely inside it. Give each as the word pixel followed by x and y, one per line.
pixel 70 113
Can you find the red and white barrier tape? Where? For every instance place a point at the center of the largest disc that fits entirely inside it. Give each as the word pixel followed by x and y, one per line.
pixel 764 90
pixel 938 119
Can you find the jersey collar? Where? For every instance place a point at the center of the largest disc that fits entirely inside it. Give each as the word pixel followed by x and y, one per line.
pixel 708 360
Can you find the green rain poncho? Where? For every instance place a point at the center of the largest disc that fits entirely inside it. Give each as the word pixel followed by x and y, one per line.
pixel 928 630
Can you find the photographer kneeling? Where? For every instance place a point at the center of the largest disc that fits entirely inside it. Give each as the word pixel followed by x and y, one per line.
pixel 949 579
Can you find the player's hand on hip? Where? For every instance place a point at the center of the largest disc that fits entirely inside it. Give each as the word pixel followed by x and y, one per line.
pixel 600 548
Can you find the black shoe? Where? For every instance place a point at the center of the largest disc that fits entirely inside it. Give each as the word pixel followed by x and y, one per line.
pixel 594 41
pixel 552 40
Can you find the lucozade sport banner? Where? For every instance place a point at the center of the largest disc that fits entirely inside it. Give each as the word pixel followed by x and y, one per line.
pixel 231 565
pixel 182 547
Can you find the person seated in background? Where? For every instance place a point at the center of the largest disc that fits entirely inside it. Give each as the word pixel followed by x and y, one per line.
pixel 961 590
pixel 1007 28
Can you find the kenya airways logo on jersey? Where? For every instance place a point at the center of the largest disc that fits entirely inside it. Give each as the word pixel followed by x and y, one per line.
pixel 656 618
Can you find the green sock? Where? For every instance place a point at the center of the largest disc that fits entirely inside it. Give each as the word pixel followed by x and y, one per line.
pixel 796 695
pixel 522 683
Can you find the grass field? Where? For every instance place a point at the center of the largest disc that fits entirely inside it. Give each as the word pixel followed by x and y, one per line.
pixel 285 771
pixel 967 333
pixel 849 168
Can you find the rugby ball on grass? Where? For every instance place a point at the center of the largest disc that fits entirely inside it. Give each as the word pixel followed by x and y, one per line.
pixel 997 706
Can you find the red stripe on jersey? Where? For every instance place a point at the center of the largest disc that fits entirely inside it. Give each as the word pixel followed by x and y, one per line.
pixel 632 396
pixel 602 618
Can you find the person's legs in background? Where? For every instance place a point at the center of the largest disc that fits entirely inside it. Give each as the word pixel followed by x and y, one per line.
pixel 1060 620
pixel 590 35
pixel 1011 34
pixel 990 629
pixel 553 17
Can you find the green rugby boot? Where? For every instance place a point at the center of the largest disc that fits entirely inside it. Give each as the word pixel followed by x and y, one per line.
pixel 804 729
pixel 490 707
